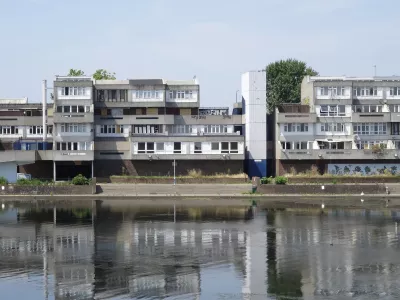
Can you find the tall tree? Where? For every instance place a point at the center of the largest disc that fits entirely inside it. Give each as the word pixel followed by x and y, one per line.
pixel 101 74
pixel 76 72
pixel 284 79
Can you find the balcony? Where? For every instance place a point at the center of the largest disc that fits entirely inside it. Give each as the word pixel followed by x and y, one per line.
pixel 17 156
pixel 337 154
pixel 218 157
pixel 71 155
pixel 73 118
pixel 205 120
pixel 374 117
pixel 296 118
pixel 395 117
pixel 135 119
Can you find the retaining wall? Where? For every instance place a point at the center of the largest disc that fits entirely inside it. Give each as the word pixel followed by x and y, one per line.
pixel 347 189
pixel 49 189
pixel 170 180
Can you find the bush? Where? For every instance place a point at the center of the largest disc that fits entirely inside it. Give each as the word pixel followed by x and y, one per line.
pixel 24 181
pixel 281 180
pixel 266 180
pixel 194 173
pixel 80 180
pixel 334 181
pixel 3 180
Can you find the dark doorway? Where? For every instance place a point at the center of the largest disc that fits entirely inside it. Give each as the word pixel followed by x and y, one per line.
pixel 68 170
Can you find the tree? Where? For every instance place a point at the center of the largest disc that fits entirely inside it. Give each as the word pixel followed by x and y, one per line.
pixel 102 74
pixel 284 79
pixel 76 72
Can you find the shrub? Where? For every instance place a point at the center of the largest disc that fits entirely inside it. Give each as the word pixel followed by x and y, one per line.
pixel 281 180
pixel 194 173
pixel 334 181
pixel 24 181
pixel 266 180
pixel 3 180
pixel 80 180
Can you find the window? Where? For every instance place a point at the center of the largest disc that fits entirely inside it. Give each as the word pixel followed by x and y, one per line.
pixel 177 147
pixel 81 109
pixel 150 94
pixel 333 127
pixel 74 91
pixel 234 147
pixel 369 144
pixel 215 146
pixel 141 147
pixel 224 147
pixel 395 128
pixel 59 109
pixel 146 147
pixel 331 91
pixel 365 91
pixel 50 129
pixel 369 128
pixel 286 145
pixel 332 110
pixel 147 129
pixel 35 130
pixel 394 91
pixel 74 109
pixel 295 127
pixel 188 94
pixel 8 130
pixel 150 147
pixel 160 146
pixel 180 94
pixel 367 108
pixel 197 147
pixel 100 95
pixel 74 146
pixel 67 109
pixel 74 128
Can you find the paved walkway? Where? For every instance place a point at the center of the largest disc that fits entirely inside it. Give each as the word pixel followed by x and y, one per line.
pixel 169 189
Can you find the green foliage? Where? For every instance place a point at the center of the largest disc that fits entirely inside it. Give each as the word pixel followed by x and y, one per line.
pixel 266 180
pixel 284 79
pixel 281 180
pixel 334 181
pixel 34 181
pixel 3 180
pixel 102 74
pixel 76 72
pixel 80 180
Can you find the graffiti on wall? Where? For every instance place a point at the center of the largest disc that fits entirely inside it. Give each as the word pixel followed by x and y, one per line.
pixel 363 169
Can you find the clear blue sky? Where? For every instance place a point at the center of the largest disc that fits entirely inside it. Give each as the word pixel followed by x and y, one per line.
pixel 215 40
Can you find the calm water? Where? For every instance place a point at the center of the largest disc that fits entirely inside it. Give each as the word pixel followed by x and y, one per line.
pixel 119 252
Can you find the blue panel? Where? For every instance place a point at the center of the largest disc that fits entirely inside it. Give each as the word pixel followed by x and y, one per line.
pixel 256 168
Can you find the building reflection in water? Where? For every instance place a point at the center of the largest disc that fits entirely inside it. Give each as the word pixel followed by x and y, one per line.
pixel 105 252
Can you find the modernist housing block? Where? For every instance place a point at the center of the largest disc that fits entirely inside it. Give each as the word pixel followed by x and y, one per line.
pixel 119 127
pixel 344 125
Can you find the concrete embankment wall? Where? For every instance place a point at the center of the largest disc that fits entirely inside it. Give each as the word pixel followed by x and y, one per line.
pixel 170 180
pixel 49 189
pixel 340 189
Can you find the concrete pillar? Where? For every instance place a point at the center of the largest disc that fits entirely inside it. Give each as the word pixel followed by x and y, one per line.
pixel 54 215
pixel 54 171
pixel 92 168
pixel 44 108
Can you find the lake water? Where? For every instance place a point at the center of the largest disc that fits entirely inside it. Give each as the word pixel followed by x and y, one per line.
pixel 128 252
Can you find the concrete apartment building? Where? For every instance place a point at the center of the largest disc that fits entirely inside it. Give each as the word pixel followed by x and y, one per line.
pixel 343 125
pixel 118 127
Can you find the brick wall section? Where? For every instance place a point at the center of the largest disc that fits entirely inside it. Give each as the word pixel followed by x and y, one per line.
pixel 107 168
pixel 316 189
